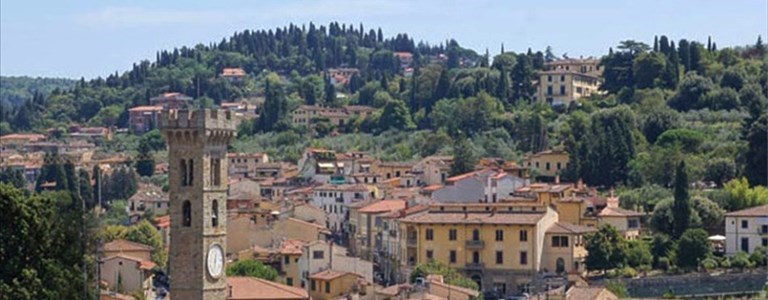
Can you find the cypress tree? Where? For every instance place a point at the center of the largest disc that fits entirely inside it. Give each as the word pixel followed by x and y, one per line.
pixel 695 57
pixel 681 208
pixel 464 158
pixel 330 91
pixel 664 45
pixel 655 43
pixel 502 88
pixel 85 188
pixel 684 52
pixel 145 165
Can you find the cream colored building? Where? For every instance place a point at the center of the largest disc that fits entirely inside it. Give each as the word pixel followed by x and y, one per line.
pixel 126 274
pixel 746 229
pixel 567 80
pixel 548 163
pixel 126 266
pixel 245 163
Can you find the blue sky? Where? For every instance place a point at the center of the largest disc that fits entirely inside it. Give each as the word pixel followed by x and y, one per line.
pixel 95 38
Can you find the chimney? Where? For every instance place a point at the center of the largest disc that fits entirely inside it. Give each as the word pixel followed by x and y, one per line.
pixel 612 200
pixel 557 179
pixel 580 184
pixel 230 291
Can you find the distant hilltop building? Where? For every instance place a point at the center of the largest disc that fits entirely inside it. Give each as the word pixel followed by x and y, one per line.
pixel 234 75
pixel 171 101
pixel 566 80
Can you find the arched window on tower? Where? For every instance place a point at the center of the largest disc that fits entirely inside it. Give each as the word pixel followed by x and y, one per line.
pixel 186 214
pixel 183 171
pixel 215 214
pixel 191 172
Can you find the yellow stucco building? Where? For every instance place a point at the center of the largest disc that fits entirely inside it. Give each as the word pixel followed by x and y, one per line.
pixel 549 163
pixel 331 284
pixel 566 80
pixel 501 246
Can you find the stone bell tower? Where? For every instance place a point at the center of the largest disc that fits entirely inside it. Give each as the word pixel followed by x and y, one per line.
pixel 197 151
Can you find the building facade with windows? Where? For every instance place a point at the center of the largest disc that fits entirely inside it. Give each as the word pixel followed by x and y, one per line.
pixel 499 246
pixel 566 80
pixel 746 229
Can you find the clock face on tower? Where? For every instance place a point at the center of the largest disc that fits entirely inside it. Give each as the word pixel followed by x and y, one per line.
pixel 215 260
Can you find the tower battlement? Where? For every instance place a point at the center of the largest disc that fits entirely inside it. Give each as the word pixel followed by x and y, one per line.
pixel 213 119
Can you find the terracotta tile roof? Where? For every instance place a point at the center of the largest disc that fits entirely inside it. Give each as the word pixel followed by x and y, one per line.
pixel 141 264
pixel 433 217
pixel 358 108
pixel 757 211
pixel 111 295
pixel 396 164
pixel 393 290
pixel 618 212
pixel 124 245
pixel 597 293
pixel 383 206
pixel 330 274
pixel 146 108
pixel 235 72
pixel 456 289
pixel 403 54
pixel 343 187
pixel 163 221
pixel 568 228
pixel 563 72
pixel 252 288
pixel 544 188
pixel 147 265
pixel 291 247
pixel 319 227
pixel 432 188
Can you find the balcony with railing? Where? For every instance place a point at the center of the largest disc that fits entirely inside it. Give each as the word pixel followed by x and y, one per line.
pixel 475 244
pixel 411 242
pixel 475 266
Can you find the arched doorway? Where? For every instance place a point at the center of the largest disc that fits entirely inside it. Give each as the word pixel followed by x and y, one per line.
pixel 560 265
pixel 479 280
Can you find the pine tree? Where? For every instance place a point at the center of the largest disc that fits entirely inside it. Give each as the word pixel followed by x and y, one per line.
pixel 681 208
pixel 759 46
pixel 549 55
